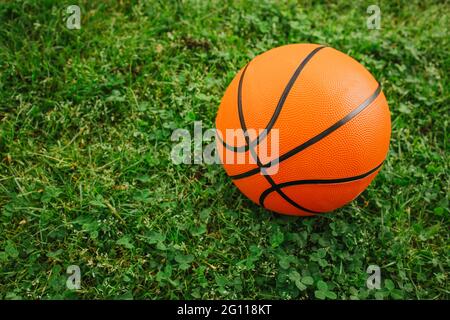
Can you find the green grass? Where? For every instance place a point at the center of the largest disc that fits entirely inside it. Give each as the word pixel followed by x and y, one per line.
pixel 86 178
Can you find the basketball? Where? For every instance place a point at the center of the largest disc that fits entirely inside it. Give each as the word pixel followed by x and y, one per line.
pixel 303 129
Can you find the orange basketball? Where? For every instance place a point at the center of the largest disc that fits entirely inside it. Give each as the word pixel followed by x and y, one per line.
pixel 303 129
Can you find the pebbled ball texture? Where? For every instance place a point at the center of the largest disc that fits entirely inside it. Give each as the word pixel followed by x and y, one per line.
pixel 333 111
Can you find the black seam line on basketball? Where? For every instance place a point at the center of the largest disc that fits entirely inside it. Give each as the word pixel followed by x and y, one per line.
pixel 275 187
pixel 239 149
pixel 239 103
pixel 268 191
pixel 316 138
pixel 255 155
pixel 241 118
pixel 272 183
pixel 284 96
pixel 278 108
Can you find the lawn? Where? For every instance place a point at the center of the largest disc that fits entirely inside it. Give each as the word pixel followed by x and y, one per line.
pixel 86 177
